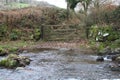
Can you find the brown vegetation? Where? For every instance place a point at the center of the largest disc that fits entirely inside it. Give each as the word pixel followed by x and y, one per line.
pixel 22 23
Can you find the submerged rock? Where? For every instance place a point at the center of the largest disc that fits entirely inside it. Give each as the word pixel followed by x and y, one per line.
pixel 13 61
pixel 100 59
pixel 20 68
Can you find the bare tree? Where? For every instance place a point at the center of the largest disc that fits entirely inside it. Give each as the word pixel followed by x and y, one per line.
pixel 6 1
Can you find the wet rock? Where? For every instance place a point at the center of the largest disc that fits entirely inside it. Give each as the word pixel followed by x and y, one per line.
pixel 118 59
pixel 114 57
pixel 25 51
pixel 20 68
pixel 20 50
pixel 114 51
pixel 117 50
pixel 100 59
pixel 114 67
pixel 13 61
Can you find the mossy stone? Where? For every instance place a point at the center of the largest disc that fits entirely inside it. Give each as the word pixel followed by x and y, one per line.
pixel 13 61
pixel 3 52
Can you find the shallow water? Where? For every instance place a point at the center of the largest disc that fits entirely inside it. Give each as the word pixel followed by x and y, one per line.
pixel 61 64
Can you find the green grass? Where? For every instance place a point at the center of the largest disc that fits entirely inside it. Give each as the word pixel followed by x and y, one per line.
pixel 18 5
pixel 12 46
pixel 16 44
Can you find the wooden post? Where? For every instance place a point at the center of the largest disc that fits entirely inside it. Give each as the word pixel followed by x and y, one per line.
pixel 68 11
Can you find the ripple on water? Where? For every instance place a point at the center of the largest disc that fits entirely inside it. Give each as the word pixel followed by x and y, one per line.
pixel 71 79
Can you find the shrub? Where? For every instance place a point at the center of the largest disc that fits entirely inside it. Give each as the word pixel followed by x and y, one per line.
pixel 103 33
pixel 15 34
pixel 115 20
pixel 36 35
pixel 115 44
pixel 109 14
pixel 3 31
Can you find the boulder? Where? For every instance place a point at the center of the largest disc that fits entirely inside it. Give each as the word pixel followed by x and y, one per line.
pixel 117 50
pixel 100 58
pixel 112 54
pixel 114 57
pixel 110 57
pixel 118 59
pixel 13 61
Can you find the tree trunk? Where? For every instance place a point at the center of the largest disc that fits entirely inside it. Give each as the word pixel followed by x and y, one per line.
pixel 68 11
pixel 6 2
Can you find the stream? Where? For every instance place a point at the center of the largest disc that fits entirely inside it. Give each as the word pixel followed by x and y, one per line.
pixel 60 64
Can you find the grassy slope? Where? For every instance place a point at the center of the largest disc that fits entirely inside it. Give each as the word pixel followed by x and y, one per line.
pixel 13 46
pixel 24 21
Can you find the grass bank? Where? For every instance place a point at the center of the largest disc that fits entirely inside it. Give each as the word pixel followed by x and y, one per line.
pixel 14 46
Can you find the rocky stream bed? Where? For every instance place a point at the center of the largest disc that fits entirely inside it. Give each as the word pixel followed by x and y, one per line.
pixel 60 64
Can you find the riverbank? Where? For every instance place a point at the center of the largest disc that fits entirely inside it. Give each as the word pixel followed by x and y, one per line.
pixel 14 46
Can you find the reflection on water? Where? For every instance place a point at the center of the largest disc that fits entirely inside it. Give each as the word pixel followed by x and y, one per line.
pixel 61 64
